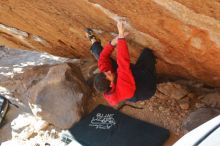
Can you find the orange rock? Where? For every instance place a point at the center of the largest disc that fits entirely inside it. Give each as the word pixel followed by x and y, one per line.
pixel 184 34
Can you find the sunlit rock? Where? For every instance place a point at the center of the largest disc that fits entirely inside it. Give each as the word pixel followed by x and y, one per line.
pixel 25 125
pixel 184 34
pixel 59 97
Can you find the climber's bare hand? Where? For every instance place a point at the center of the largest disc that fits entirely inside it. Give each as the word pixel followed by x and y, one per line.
pixel 121 29
pixel 114 40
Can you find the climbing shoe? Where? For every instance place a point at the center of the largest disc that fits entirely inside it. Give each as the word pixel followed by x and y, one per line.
pixel 91 35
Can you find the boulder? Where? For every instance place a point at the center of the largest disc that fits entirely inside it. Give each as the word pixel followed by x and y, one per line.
pixel 172 90
pixel 198 117
pixel 60 96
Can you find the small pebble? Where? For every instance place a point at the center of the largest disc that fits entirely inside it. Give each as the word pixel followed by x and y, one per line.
pixel 151 108
pixel 200 105
pixel 142 103
pixel 161 108
pixel 184 106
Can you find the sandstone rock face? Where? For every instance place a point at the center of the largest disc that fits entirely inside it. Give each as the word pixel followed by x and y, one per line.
pixel 59 97
pixel 184 34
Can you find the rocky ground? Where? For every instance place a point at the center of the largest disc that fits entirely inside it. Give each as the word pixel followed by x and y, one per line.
pixel 174 105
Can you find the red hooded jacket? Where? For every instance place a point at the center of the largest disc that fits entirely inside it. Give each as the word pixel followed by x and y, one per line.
pixel 124 87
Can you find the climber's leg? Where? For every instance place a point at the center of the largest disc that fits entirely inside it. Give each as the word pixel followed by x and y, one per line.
pixel 96 47
pixel 145 76
pixel 146 61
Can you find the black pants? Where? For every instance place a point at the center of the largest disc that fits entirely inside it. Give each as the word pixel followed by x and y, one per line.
pixel 144 72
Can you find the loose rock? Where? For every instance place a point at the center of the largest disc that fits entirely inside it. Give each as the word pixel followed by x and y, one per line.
pixel 25 125
pixel 172 90
pixel 212 99
pixel 200 105
pixel 184 104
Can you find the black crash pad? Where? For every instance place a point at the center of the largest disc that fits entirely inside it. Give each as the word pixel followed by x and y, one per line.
pixel 106 126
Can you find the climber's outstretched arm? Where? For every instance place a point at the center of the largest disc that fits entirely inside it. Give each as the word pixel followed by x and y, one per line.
pixel 104 62
pixel 125 84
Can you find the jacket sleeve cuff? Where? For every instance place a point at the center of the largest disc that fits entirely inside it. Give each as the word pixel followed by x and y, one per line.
pixel 121 38
pixel 109 45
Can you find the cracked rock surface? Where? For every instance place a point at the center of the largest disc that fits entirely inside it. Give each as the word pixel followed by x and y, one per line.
pixel 184 34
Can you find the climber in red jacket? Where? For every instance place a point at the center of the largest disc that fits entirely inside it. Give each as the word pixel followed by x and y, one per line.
pixel 123 81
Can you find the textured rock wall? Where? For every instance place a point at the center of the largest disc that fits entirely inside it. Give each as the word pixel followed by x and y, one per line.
pixel 185 34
